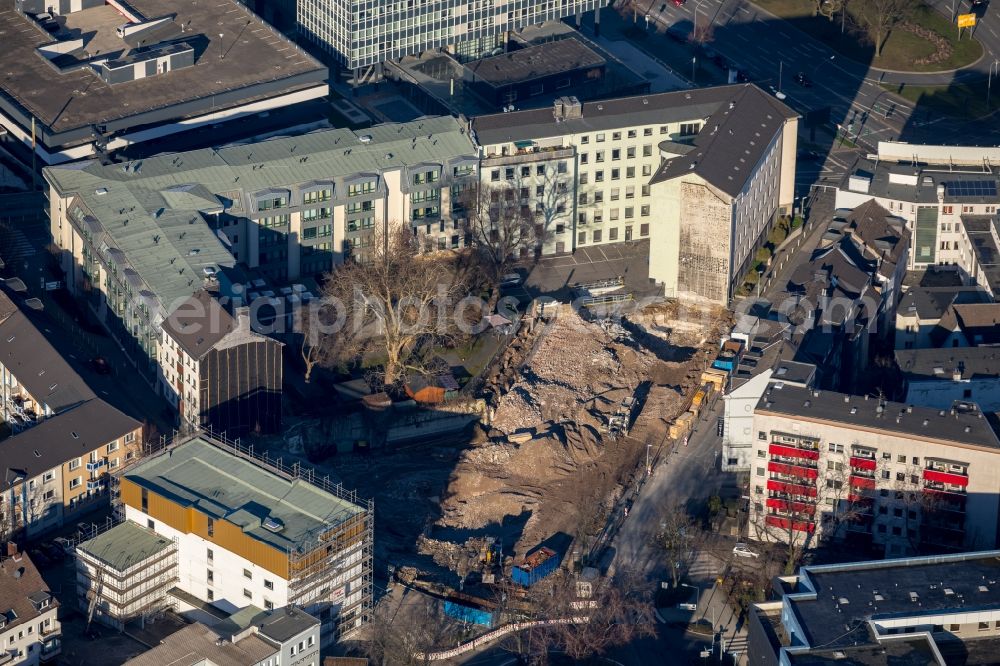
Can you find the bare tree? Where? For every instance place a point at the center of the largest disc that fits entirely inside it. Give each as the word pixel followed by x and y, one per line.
pixel 314 325
pixel 501 224
pixel 404 633
pixel 703 32
pixel 676 540
pixel 828 8
pixel 395 304
pixel 877 18
pixel 582 618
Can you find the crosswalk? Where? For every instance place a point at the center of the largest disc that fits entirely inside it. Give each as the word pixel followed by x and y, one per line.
pixel 705 566
pixel 737 646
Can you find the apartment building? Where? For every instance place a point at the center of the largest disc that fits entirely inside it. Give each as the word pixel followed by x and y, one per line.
pixel 938 611
pixel 250 532
pixel 60 468
pixel 30 632
pixel 363 33
pixel 95 77
pixel 250 637
pixel 217 371
pixel 65 439
pixel 934 188
pixel 890 475
pixel 921 310
pixel 941 377
pixel 711 167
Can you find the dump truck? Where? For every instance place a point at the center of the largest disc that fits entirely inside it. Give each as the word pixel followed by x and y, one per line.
pixel 536 566
pixel 729 355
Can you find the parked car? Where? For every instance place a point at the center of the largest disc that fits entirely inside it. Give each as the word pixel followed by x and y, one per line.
pixel 679 3
pixel 100 365
pixel 810 156
pixel 510 280
pixel 688 606
pixel 743 550
pixel 803 80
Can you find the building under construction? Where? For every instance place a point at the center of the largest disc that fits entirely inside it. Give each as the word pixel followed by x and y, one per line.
pixel 243 529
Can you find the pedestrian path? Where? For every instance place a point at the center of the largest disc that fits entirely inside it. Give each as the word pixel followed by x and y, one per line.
pixel 704 567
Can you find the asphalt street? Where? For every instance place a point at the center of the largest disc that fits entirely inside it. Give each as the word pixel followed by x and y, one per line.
pixel 772 51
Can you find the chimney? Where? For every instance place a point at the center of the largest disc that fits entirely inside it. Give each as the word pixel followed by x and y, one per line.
pixel 11 549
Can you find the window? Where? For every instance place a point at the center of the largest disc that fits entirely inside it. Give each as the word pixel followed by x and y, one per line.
pixel 48 495
pixel 760 471
pixel 598 176
pixel 886 455
pixel 268 584
pixel 761 453
pixel 268 605
pixel 113 446
pixel 689 129
pixel 647 150
pixel 885 474
pixel 947 210
pixel 581 238
pixel 615 193
pixel 210 595
pixel 75 483
pixel 361 188
pixel 210 575
pixel 616 154
pixel 540 170
pixel 900 476
pixel 597 235
pixel 584 139
pixel 616 174
pixel 644 229
pixel 644 211
pixel 210 555
pixel 616 136
pixel 316 196
pixel 599 156
pixel 247 593
pixel 646 171
pixel 647 131
pixel 495 175
pixel 836 448
pixel 311 641
pixel 150 524
pixel 247 574
pixel 561 167
pixel 901 459
pixel 600 138
pixel 613 233
pixel 211 526
pixel 129 438
pixel 630 192
pixel 48 476
pixel 74 464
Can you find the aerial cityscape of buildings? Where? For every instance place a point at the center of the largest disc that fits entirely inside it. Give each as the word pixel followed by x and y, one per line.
pixel 655 332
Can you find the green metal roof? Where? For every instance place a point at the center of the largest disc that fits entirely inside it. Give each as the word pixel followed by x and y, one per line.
pixel 154 209
pixel 226 486
pixel 125 545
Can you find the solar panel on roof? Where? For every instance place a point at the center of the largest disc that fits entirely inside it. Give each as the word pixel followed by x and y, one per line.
pixel 971 188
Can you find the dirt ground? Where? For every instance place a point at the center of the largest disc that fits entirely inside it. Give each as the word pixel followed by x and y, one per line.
pixel 555 393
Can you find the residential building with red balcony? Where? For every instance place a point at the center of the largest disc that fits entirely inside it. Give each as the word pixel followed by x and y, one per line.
pixel 889 475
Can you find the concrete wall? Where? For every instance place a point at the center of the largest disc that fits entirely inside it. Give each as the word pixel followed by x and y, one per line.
pixel 705 241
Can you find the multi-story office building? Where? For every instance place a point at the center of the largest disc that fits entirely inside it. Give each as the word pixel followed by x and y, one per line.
pixel 700 173
pixel 217 371
pixel 938 611
pixel 96 77
pixel 889 474
pixel 248 532
pixel 935 189
pixel 30 632
pixel 363 33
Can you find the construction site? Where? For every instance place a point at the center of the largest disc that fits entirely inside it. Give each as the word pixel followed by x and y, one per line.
pixel 571 405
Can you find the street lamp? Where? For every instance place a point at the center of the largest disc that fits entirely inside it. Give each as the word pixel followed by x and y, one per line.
pixel 222 53
pixel 647 459
pixel 647 21
pixel 694 60
pixel 995 67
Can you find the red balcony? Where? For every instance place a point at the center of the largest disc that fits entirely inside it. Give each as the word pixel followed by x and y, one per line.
pixel 862 482
pixel 787 506
pixel 863 463
pixel 792 452
pixel 791 488
pixel 946 477
pixel 799 471
pixel 787 523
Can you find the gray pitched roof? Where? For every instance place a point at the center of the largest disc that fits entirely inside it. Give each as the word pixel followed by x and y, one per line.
pixel 943 364
pixel 28 355
pixel 732 141
pixel 153 210
pixel 198 324
pixel 932 302
pixel 58 439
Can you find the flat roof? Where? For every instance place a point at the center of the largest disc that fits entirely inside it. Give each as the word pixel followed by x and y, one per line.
pixel 231 487
pixel 153 210
pixel 239 58
pixel 963 428
pixel 125 545
pixel 896 651
pixel 536 62
pixel 904 181
pixel 982 230
pixel 944 363
pixel 849 595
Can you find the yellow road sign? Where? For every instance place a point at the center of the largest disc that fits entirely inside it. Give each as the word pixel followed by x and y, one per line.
pixel 966 20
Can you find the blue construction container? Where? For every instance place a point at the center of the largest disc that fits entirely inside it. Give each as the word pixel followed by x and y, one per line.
pixel 468 614
pixel 537 566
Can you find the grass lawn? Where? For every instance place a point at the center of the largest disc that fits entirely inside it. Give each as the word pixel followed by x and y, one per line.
pixel 957 100
pixel 902 49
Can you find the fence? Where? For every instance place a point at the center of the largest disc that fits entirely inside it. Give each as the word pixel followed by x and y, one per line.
pixel 499 632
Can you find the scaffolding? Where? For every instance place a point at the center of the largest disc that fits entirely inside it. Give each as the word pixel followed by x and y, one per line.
pixel 324 554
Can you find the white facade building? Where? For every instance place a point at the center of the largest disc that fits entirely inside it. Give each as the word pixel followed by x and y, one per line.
pixel 905 478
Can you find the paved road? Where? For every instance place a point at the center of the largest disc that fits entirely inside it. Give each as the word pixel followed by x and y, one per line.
pixel 749 37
